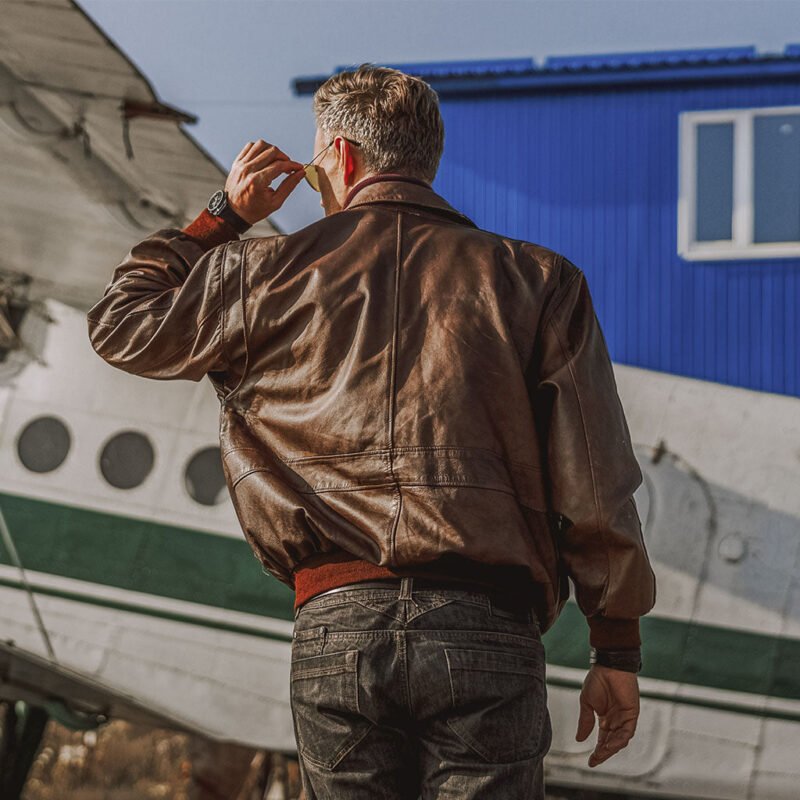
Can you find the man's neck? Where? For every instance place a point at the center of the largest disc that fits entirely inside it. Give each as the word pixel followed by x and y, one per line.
pixel 381 176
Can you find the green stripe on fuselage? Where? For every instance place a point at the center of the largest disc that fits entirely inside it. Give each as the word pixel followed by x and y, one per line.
pixel 142 556
pixel 221 571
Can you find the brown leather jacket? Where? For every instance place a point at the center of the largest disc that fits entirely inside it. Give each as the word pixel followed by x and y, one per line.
pixel 399 383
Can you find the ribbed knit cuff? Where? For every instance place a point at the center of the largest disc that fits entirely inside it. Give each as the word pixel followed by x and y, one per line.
pixel 613 634
pixel 626 660
pixel 210 231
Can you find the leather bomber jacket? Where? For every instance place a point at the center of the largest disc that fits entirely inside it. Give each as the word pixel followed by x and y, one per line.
pixel 399 383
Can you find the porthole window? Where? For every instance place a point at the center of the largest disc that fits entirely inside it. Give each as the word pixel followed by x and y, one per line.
pixel 127 459
pixel 205 479
pixel 43 444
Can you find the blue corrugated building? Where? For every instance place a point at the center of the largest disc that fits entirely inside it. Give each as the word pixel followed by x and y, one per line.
pixel 671 178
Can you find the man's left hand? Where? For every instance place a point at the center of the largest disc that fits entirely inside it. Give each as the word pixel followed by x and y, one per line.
pixel 248 185
pixel 613 695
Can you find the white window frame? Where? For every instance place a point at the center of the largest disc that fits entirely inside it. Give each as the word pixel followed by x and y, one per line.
pixel 741 246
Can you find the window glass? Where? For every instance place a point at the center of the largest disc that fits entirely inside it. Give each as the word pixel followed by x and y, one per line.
pixel 43 444
pixel 205 480
pixel 714 202
pixel 776 179
pixel 127 459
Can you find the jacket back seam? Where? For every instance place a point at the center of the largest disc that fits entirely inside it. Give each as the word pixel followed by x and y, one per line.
pixel 401 449
pixel 392 379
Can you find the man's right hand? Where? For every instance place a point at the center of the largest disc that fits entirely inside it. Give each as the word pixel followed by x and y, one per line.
pixel 613 694
pixel 248 184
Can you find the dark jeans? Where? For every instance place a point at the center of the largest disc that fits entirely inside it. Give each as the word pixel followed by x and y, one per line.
pixel 404 692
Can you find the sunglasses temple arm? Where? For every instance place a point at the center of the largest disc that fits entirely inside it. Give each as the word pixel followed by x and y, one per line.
pixel 318 154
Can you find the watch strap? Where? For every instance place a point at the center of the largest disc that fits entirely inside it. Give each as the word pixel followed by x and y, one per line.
pixel 234 220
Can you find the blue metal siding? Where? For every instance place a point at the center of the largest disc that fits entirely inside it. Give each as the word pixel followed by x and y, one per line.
pixel 594 175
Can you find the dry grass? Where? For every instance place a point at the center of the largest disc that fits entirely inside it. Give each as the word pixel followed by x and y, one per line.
pixel 119 761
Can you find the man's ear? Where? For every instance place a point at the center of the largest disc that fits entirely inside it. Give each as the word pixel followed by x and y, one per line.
pixel 349 162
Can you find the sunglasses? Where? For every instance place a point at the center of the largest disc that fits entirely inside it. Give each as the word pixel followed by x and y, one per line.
pixel 311 170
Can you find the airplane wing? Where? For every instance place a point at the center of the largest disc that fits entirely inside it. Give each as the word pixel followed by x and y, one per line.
pixel 74 698
pixel 90 159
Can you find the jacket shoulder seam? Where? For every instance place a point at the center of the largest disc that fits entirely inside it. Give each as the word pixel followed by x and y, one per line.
pixel 223 310
pixel 563 292
pixel 598 510
pixel 242 273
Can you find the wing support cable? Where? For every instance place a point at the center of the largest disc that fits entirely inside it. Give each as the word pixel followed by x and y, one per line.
pixel 8 541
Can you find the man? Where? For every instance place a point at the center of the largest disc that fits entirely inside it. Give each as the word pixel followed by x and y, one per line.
pixel 422 436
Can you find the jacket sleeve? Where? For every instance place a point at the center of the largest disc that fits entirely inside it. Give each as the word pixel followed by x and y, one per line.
pixel 162 314
pixel 591 469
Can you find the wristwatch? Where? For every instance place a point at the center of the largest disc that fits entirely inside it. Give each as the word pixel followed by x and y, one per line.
pixel 218 206
pixel 627 660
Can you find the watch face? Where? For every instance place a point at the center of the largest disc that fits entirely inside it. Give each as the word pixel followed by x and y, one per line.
pixel 217 202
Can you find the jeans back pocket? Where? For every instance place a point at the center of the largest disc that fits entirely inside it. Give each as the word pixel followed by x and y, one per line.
pixel 499 701
pixel 325 706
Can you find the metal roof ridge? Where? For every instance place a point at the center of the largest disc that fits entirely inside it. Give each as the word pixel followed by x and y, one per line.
pixel 651 57
pixel 480 74
pixel 480 66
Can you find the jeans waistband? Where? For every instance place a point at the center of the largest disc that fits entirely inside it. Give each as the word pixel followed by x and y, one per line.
pixel 500 599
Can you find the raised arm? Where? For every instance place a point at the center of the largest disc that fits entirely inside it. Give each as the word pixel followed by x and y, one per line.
pixel 161 315
pixel 164 313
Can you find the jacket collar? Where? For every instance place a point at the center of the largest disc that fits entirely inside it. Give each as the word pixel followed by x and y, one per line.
pixel 395 188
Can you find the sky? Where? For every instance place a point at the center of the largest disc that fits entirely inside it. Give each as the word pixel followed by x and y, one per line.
pixel 231 62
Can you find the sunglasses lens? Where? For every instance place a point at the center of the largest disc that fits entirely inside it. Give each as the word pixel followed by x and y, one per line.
pixel 312 177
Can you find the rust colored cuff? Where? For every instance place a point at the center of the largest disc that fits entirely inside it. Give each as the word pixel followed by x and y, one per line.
pixel 613 634
pixel 210 231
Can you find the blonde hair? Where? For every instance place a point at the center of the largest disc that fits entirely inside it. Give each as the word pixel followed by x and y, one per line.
pixel 394 116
